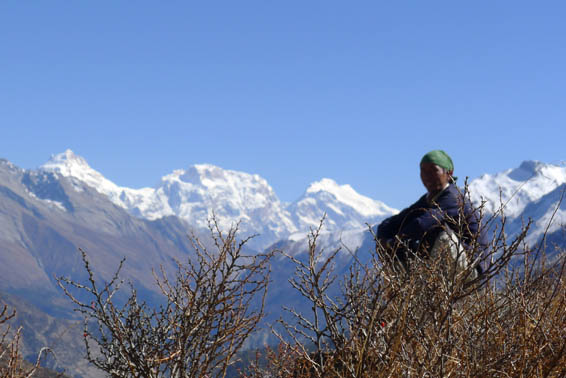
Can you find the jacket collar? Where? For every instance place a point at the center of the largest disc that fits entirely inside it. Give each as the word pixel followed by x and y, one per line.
pixel 434 197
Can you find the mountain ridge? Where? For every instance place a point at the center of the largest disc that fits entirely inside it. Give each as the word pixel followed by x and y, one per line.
pixel 515 188
pixel 47 214
pixel 195 193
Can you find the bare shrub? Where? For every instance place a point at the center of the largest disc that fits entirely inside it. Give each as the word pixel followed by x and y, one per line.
pixel 12 365
pixel 431 321
pixel 212 304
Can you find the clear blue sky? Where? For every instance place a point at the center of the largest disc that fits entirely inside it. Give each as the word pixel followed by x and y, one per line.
pixel 291 90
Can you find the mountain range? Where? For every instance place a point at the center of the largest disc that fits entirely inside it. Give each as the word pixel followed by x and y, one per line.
pixel 48 213
pixel 195 193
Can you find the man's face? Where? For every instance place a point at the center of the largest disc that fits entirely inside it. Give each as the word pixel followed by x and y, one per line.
pixel 434 178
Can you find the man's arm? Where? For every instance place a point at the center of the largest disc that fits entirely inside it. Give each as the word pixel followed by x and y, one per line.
pixel 392 226
pixel 388 228
pixel 427 218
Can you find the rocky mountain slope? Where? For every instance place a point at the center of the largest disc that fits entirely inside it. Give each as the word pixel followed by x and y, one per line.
pixel 45 218
pixel 46 215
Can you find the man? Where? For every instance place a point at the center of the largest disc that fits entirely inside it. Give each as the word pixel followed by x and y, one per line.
pixel 441 216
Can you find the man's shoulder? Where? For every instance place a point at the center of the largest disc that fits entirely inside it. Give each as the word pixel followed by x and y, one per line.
pixel 452 194
pixel 454 190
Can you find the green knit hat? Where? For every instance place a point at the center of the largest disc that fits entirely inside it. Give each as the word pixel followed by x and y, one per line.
pixel 439 158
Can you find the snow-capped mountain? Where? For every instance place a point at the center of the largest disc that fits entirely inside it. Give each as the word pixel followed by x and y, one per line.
pixel 45 215
pixel 533 191
pixel 193 194
pixel 77 169
pixel 548 214
pixel 344 207
pixel 197 192
pixel 516 188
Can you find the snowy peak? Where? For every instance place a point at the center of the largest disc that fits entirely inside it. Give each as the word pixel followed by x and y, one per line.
pixel 195 193
pixel 529 170
pixel 67 163
pixel 75 167
pixel 213 177
pixel 526 170
pixel 346 195
pixel 195 174
pixel 344 207
pixel 68 156
pixel 205 188
pixel 327 185
pixel 515 188
pixel 219 187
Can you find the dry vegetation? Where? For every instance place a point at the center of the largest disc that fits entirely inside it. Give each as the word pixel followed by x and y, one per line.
pixel 12 365
pixel 434 321
pixel 213 304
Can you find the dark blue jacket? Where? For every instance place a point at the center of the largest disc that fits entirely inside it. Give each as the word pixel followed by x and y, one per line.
pixel 422 220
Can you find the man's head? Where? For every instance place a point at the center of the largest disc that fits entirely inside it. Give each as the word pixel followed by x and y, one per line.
pixel 436 171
